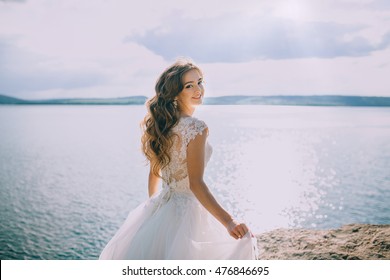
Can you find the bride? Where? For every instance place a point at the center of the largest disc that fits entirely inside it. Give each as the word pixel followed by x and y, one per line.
pixel 183 220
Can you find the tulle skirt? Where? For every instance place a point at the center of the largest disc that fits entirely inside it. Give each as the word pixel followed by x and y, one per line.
pixel 174 225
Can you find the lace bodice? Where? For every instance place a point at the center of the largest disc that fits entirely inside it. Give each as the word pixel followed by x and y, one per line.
pixel 175 175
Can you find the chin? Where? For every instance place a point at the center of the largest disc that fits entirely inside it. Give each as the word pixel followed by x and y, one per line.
pixel 197 103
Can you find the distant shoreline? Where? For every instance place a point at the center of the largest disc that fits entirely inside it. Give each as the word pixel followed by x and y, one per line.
pixel 296 100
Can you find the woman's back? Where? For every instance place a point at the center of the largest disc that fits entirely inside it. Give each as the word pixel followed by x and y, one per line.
pixel 175 174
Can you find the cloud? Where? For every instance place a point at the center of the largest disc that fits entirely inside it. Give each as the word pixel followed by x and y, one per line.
pixel 18 1
pixel 241 38
pixel 22 71
pixel 379 4
pixel 76 48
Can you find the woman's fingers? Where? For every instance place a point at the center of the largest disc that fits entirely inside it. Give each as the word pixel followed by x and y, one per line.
pixel 245 228
pixel 241 230
pixel 232 234
pixel 232 229
pixel 238 230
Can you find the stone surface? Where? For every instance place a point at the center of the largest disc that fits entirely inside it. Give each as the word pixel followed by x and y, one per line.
pixel 350 242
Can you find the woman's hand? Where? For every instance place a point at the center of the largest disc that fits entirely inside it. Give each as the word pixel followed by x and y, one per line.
pixel 237 230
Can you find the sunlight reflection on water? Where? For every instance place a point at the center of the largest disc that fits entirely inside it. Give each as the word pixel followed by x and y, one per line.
pixel 270 176
pixel 275 166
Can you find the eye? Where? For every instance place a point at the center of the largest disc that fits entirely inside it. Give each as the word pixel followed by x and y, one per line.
pixel 188 86
pixel 200 82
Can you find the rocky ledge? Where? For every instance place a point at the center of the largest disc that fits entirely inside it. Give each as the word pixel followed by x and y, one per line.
pixel 350 242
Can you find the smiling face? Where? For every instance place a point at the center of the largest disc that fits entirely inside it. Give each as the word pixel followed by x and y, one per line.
pixel 192 93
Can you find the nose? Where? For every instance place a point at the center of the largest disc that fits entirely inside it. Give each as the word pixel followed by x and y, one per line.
pixel 198 88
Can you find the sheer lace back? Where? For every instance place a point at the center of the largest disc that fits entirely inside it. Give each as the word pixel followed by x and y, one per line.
pixel 175 175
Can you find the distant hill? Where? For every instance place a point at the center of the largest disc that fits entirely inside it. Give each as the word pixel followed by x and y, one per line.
pixel 10 100
pixel 314 100
pixel 132 100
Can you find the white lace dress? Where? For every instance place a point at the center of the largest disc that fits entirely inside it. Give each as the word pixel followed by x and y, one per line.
pixel 172 224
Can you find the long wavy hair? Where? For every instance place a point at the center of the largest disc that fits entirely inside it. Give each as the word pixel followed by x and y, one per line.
pixel 163 114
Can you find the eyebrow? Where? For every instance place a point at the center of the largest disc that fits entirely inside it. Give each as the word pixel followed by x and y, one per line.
pixel 193 81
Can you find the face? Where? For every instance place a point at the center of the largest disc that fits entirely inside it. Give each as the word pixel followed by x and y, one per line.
pixel 193 91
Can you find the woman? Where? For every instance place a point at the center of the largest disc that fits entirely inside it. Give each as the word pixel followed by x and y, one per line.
pixel 175 223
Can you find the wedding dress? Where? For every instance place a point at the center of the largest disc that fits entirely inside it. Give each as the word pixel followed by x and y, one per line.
pixel 173 224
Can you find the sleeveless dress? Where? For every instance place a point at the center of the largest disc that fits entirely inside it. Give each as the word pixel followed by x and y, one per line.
pixel 172 224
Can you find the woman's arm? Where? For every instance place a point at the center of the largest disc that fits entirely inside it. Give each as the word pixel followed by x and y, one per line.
pixel 153 182
pixel 195 165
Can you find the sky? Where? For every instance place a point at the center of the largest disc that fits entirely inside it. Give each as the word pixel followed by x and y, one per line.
pixel 118 48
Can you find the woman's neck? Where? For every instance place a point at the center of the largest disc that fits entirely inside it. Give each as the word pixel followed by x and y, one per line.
pixel 187 112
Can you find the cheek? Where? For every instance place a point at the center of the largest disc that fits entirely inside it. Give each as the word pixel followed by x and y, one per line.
pixel 186 93
pixel 183 95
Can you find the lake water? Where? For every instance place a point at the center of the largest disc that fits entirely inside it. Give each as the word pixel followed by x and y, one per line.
pixel 70 174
